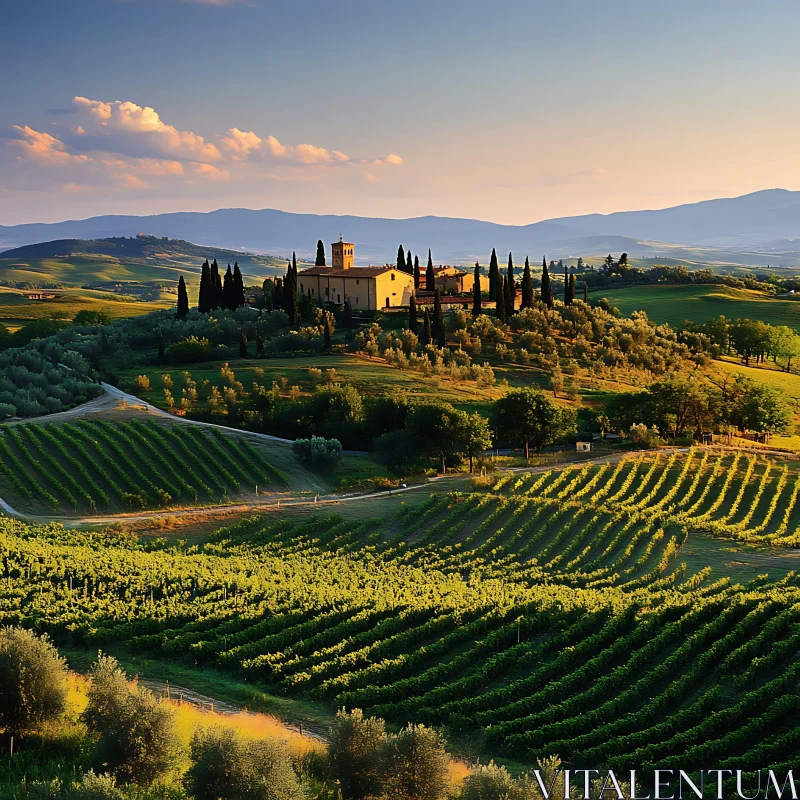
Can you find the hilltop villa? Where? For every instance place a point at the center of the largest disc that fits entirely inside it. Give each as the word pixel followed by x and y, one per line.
pixel 367 288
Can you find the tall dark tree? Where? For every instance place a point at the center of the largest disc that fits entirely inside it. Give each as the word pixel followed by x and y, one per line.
pixel 567 299
pixel 413 322
pixel 243 345
pixel 476 291
pixel 216 283
pixel 277 294
pixel 417 275
pixel 401 259
pixel 294 262
pixel 290 292
pixel 527 286
pixel 183 298
pixel 494 274
pixel 238 286
pixel 320 259
pixel 437 323
pixel 268 288
pixel 326 332
pixel 204 296
pixel 427 332
pixel 228 290
pixel 547 287
pixel 585 292
pixel 511 287
pixel 500 303
pixel 348 314
pixel 571 288
pixel 409 264
pixel 162 355
pixel 430 275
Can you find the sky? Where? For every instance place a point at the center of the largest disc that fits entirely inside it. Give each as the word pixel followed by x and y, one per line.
pixel 511 111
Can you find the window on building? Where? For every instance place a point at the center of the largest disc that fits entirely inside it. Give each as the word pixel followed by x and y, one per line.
pixel 393 276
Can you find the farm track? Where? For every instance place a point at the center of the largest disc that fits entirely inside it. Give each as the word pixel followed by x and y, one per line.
pixel 205 702
pixel 270 503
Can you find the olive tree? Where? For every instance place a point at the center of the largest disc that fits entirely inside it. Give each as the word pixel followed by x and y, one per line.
pixel 225 767
pixel 135 735
pixel 34 680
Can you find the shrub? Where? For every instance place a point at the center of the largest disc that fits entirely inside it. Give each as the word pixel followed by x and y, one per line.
pixel 355 753
pixel 91 319
pixel 416 764
pixel 318 452
pixel 96 787
pixel 135 733
pixel 34 680
pixel 490 782
pixel 224 767
pixel 191 350
pixel 141 383
pixel 645 437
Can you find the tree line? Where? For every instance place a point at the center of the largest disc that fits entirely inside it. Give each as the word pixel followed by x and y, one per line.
pixel 134 750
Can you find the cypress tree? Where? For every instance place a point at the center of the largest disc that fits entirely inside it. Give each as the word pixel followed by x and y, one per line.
pixel 290 291
pixel 216 284
pixel 511 288
pixel 494 272
pixel 238 286
pixel 437 324
pixel 401 259
pixel 409 264
pixel 571 294
pixel 413 323
pixel 427 334
pixel 500 303
pixel 430 276
pixel 476 291
pixel 326 332
pixel 277 294
pixel 416 273
pixel 585 292
pixel 268 287
pixel 183 298
pixel 204 296
pixel 320 259
pixel 348 314
pixel 567 300
pixel 243 345
pixel 161 348
pixel 547 289
pixel 227 290
pixel 527 286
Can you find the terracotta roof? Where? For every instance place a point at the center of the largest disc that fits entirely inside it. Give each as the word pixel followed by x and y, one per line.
pixel 353 272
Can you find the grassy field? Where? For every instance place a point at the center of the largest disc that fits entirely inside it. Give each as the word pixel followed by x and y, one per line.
pixel 369 376
pixel 16 309
pixel 674 304
pixel 551 612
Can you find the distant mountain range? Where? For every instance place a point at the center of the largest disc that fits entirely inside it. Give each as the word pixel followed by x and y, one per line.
pixel 759 228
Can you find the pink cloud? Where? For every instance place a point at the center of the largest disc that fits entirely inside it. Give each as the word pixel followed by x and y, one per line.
pixel 42 147
pixel 129 127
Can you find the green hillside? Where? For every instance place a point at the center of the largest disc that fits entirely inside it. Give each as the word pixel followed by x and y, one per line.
pixel 674 304
pixel 94 466
pixel 77 262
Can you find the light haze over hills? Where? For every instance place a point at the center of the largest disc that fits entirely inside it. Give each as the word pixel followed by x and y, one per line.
pixel 757 228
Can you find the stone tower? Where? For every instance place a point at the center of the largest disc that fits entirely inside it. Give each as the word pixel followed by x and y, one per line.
pixel 342 254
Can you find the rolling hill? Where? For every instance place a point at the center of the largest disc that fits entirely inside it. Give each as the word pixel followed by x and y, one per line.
pixel 757 229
